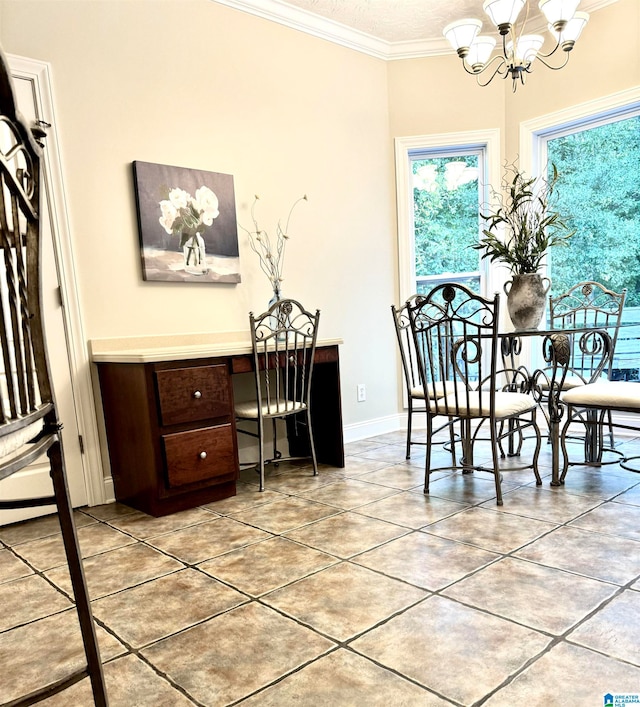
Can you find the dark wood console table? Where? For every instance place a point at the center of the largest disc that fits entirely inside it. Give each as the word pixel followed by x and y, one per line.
pixel 170 426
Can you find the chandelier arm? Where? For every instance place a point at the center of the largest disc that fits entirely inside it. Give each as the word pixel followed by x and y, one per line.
pixel 553 51
pixel 549 66
pixel 498 71
pixel 493 59
pixel 464 66
pixel 511 34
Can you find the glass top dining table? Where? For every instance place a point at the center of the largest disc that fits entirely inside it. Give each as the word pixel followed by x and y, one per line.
pixel 556 352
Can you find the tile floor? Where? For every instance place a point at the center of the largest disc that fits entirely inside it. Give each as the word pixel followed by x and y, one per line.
pixel 351 588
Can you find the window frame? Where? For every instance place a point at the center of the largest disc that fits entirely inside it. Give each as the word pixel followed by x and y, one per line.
pixel 534 134
pixel 406 149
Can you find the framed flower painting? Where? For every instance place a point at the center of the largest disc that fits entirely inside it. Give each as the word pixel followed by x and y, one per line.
pixel 186 223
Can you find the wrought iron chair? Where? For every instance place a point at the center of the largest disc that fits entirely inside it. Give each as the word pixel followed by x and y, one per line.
pixel 411 375
pixel 456 338
pixel 413 388
pixel 284 342
pixel 29 425
pixel 589 404
pixel 587 304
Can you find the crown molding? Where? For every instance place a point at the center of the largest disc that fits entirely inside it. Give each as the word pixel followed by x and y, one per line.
pixel 323 28
pixel 418 49
pixel 296 18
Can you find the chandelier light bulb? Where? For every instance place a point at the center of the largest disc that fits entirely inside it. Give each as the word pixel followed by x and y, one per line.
pixel 558 12
pixel 570 33
pixel 480 51
pixel 526 49
pixel 503 13
pixel 461 34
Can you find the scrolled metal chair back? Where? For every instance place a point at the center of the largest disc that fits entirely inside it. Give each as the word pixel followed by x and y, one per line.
pixel 455 337
pixel 25 390
pixel 406 344
pixel 284 342
pixel 589 304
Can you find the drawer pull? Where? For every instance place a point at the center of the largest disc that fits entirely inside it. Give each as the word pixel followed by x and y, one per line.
pixel 197 395
pixel 203 455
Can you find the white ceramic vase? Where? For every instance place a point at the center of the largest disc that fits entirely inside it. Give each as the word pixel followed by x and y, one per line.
pixel 526 299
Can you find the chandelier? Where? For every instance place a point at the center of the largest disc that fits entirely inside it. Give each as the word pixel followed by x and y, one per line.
pixel 519 50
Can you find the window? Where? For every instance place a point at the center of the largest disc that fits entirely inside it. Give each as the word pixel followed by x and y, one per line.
pixel 598 160
pixel 447 195
pixel 441 187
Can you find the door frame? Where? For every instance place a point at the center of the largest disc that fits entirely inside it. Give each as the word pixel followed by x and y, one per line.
pixel 38 73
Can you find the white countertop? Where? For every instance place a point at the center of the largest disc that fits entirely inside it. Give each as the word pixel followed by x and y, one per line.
pixel 175 347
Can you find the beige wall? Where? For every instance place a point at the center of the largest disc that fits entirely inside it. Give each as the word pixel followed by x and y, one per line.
pixel 196 84
pixel 435 95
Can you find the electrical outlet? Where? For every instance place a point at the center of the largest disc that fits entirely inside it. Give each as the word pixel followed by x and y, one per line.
pixel 362 392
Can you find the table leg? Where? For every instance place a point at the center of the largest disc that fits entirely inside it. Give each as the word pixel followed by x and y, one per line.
pixel 511 346
pixel 554 433
pixel 593 444
pixel 557 352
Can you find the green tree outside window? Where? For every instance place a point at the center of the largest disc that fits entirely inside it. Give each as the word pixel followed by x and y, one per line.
pixel 599 193
pixel 446 207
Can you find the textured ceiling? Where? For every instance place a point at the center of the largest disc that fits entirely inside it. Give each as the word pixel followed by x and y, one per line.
pixel 385 28
pixel 394 20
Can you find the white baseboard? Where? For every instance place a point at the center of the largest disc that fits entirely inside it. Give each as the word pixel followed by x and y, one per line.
pixel 371 428
pixel 109 491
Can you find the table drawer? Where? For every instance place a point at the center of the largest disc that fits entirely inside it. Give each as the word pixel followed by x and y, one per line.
pixel 200 455
pixel 193 393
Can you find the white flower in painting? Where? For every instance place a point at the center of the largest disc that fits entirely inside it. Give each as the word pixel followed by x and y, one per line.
pixel 179 198
pixel 206 202
pixel 184 215
pixel 169 213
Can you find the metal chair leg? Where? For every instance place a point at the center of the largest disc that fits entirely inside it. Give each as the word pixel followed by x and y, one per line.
pixel 312 446
pixel 409 425
pixel 78 581
pixel 261 451
pixel 427 461
pixel 494 457
pixel 274 433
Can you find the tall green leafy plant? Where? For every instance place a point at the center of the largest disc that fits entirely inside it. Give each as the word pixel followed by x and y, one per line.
pixel 523 226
